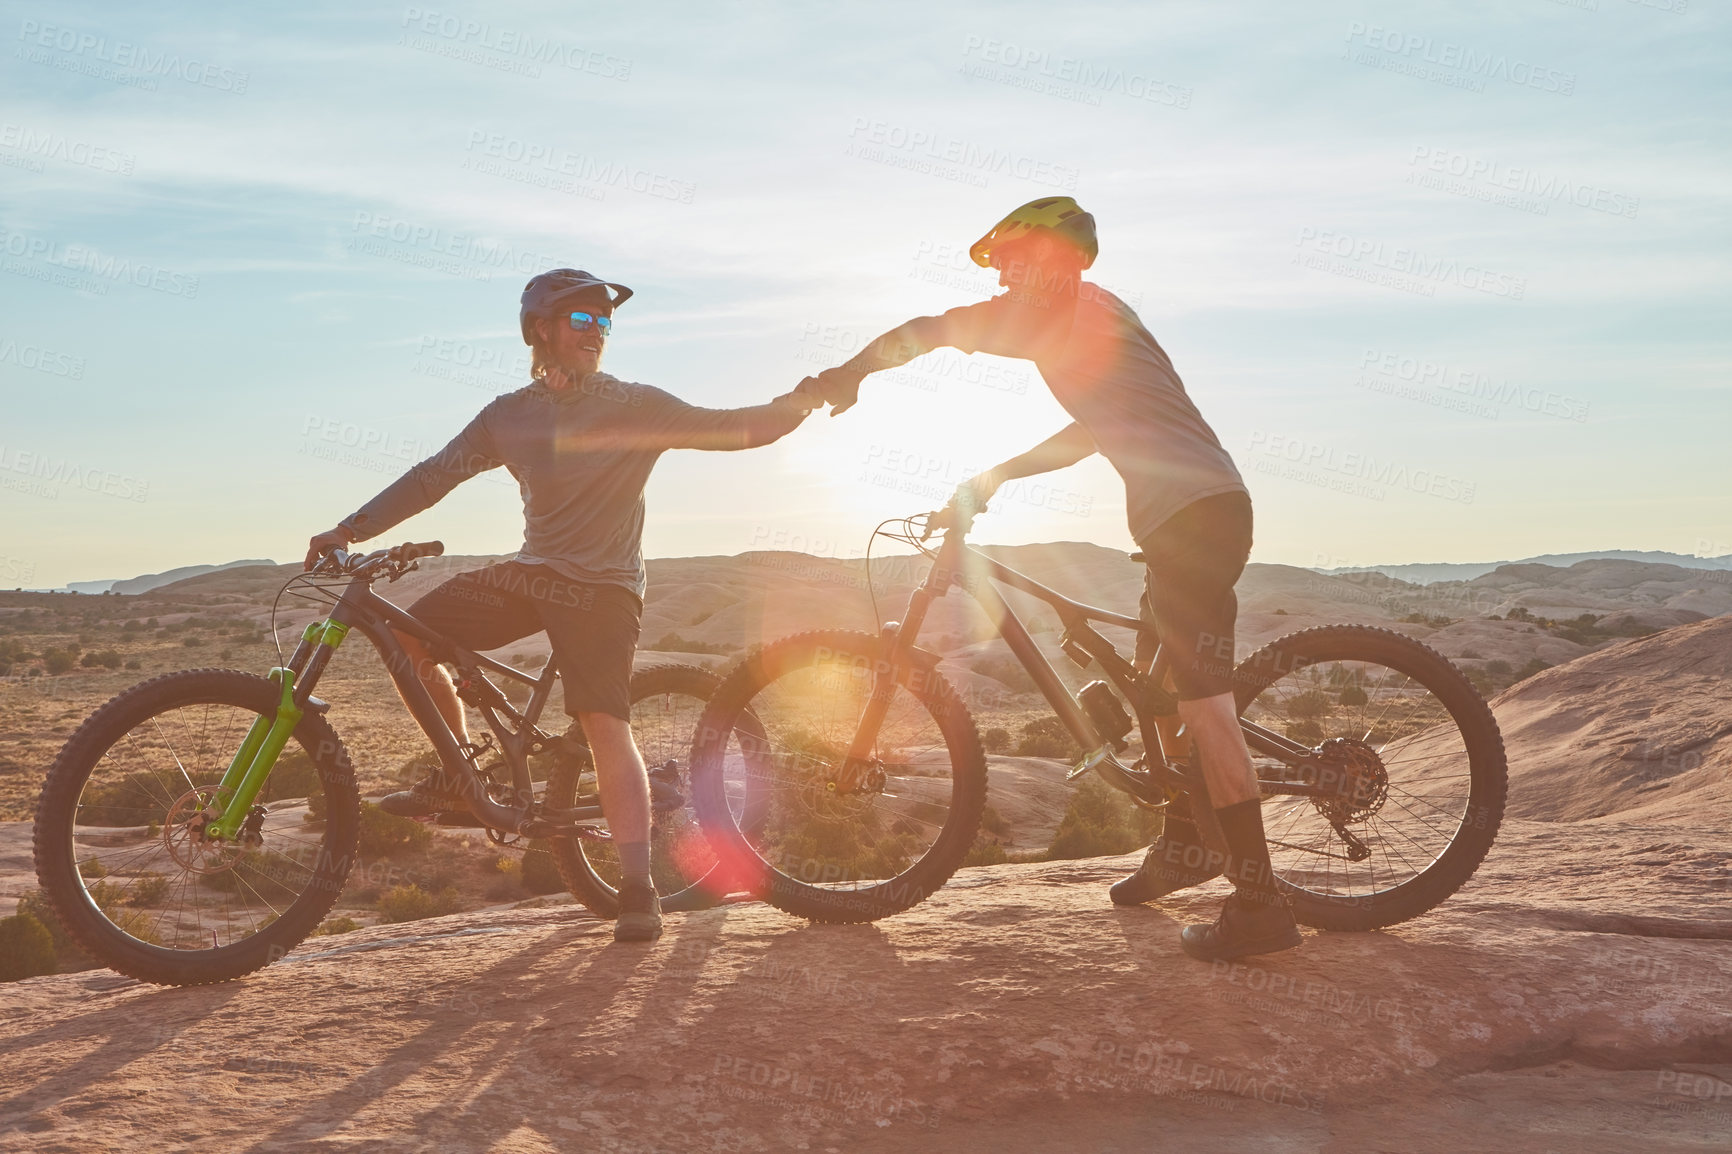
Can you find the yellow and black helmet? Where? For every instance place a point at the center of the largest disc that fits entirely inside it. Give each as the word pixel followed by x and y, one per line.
pixel 1060 214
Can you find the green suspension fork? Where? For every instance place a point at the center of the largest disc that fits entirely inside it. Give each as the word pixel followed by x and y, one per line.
pixel 264 742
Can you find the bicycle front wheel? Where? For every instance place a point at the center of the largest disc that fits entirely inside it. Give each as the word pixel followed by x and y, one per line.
pixel 119 843
pixel 769 783
pixel 1413 764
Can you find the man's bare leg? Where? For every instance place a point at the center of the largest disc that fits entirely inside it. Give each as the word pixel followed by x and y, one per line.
pixel 620 775
pixel 625 798
pixel 438 684
pixel 1213 723
pixel 1256 920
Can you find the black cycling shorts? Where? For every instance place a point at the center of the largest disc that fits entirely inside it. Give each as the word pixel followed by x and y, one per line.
pixel 1194 560
pixel 593 628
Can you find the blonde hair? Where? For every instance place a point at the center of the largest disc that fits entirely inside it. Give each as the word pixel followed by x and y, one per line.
pixel 538 351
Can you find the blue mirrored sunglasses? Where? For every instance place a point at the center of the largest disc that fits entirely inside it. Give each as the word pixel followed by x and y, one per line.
pixel 585 322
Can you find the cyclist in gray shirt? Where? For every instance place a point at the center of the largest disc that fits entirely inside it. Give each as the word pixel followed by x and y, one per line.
pixel 581 444
pixel 1187 506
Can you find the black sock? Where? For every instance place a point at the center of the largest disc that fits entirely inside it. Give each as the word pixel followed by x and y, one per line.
pixel 1248 865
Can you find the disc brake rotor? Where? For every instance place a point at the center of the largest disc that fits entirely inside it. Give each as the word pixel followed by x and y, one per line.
pixel 183 833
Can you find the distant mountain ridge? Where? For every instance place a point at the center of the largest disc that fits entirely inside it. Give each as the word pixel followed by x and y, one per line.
pixel 149 581
pixel 1423 573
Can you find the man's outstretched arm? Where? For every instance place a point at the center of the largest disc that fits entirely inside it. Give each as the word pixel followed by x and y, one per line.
pixel 678 425
pixel 958 328
pixel 1064 448
pixel 470 452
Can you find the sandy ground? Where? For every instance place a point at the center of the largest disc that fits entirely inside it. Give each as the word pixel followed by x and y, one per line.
pixel 1576 996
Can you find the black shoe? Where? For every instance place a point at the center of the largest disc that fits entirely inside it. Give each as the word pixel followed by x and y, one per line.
pixel 640 914
pixel 426 798
pixel 1172 863
pixel 1246 926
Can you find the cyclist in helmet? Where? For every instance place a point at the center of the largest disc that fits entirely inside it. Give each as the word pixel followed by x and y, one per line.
pixel 581 444
pixel 1187 506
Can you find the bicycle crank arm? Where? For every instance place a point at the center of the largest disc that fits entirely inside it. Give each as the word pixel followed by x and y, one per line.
pixel 1138 784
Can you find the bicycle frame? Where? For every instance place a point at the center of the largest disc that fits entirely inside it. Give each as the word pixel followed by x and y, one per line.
pixel 958 563
pixel 359 608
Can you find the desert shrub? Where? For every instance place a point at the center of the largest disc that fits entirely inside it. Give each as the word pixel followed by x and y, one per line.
pixel 26 948
pixel 294 775
pixel 106 658
pixel 996 740
pixel 135 663
pixel 1309 704
pixel 985 851
pixel 146 890
pixel 1498 667
pixel 1100 821
pixel 1008 671
pixel 413 768
pixel 57 661
pixel 386 835
pixel 33 903
pixel 539 874
pixel 993 822
pixel 410 903
pixel 1531 668
pixel 1047 737
pixel 1352 695
pixel 12 652
pixel 341 925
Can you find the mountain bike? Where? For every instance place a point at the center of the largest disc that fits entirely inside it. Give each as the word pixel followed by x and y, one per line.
pixel 859 787
pixel 199 825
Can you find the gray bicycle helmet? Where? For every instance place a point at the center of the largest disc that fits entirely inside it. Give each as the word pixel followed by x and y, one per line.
pixel 546 292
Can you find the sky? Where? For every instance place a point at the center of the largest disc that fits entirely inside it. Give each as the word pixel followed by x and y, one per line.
pixel 1450 282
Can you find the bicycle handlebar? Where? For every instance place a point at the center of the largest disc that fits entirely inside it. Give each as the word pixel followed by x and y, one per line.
pixel 400 558
pixel 952 518
pixel 413 551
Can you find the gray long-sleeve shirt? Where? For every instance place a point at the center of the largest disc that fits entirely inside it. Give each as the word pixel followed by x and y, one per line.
pixel 1111 377
pixel 582 457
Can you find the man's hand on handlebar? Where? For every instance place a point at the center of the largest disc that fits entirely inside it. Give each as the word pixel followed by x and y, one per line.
pixel 324 543
pixel 973 494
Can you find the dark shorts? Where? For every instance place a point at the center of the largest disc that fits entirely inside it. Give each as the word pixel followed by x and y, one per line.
pixel 593 628
pixel 1194 560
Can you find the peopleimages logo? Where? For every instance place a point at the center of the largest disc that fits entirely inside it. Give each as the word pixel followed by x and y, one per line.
pixel 1067 77
pixel 100 50
pixel 896 144
pixel 464 37
pixel 57 146
pixel 581 167
pixel 1410 262
pixel 429 246
pixel 1480 66
pixel 1489 178
pixel 1363 474
pixel 79 258
pixel 44 472
pixel 41 359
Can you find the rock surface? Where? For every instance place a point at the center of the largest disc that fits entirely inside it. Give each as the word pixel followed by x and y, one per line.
pixel 1576 996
